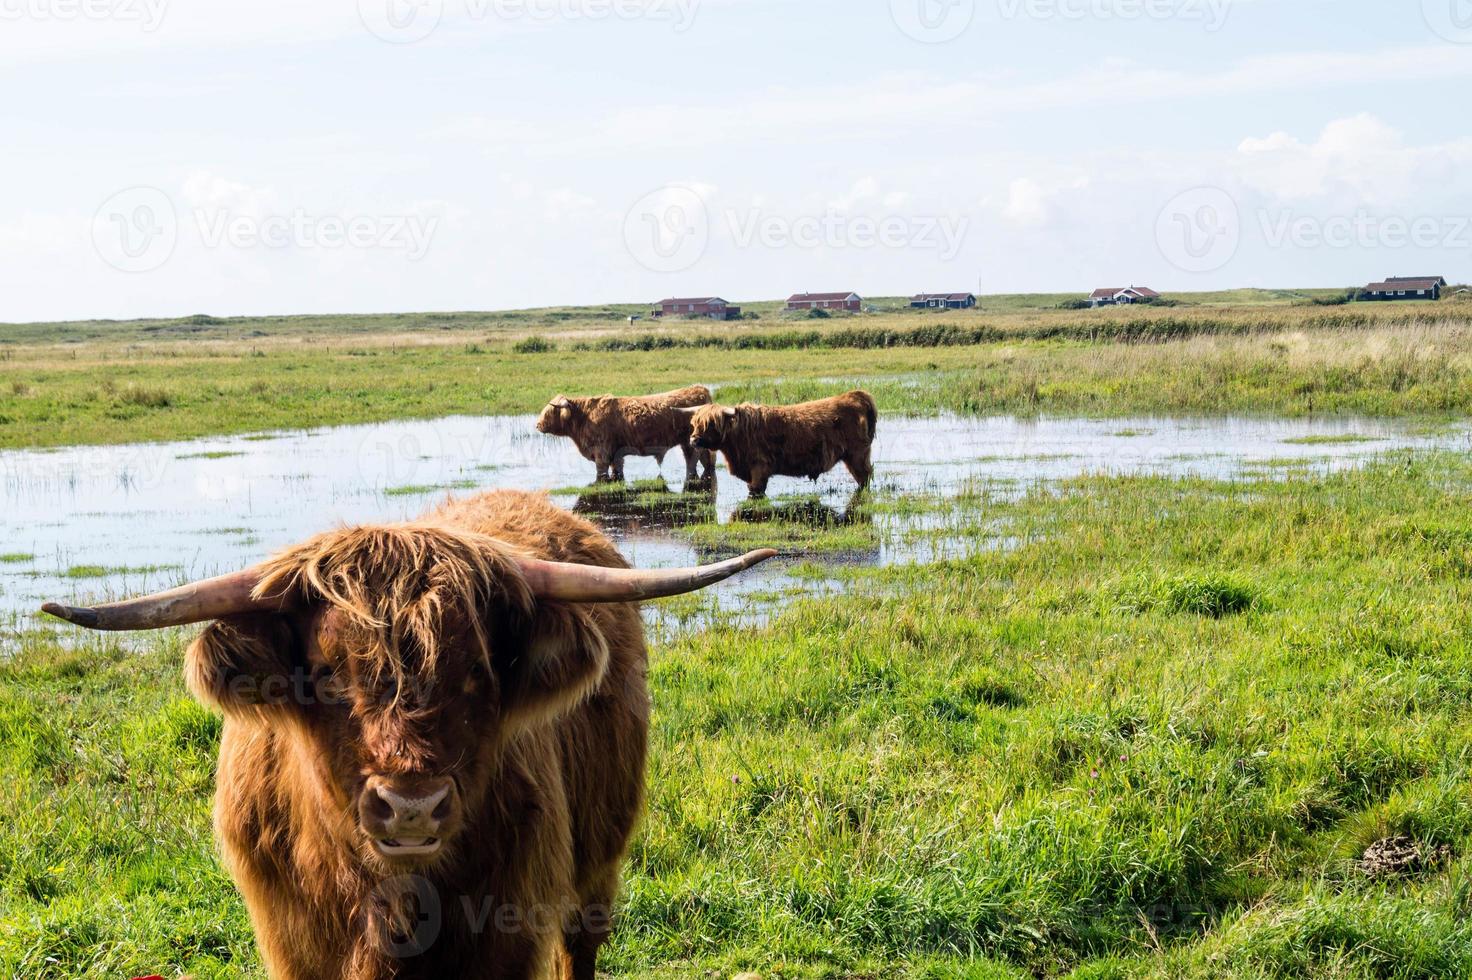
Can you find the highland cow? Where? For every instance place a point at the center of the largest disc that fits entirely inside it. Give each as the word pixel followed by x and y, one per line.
pixel 434 741
pixel 607 429
pixel 763 441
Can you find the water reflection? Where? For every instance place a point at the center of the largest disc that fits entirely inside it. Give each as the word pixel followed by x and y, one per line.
pixel 646 506
pixel 88 522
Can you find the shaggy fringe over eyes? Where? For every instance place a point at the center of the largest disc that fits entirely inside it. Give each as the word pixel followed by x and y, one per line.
pixel 403 583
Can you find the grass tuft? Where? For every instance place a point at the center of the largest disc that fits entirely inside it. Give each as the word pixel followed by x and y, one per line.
pixel 1209 594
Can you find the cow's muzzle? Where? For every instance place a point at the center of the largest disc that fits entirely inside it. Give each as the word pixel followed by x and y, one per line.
pixel 408 818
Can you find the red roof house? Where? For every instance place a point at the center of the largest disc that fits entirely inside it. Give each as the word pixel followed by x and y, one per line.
pixel 851 302
pixel 707 306
pixel 1110 295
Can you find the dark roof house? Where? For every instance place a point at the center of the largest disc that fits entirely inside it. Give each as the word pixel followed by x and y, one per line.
pixel 942 301
pixel 1406 287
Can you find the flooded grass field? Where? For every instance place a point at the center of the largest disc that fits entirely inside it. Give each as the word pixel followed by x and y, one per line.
pixel 87 523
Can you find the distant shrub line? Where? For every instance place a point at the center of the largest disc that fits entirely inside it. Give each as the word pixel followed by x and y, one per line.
pixel 1142 330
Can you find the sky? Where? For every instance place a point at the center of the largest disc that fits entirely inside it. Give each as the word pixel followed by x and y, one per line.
pixel 246 157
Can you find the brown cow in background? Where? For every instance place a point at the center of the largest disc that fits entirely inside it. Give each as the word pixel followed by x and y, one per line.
pixel 607 428
pixel 434 741
pixel 763 441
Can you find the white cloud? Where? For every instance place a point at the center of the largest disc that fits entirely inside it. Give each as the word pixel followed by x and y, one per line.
pixel 564 202
pixel 203 190
pixel 863 189
pixel 1025 203
pixel 1357 161
pixel 899 102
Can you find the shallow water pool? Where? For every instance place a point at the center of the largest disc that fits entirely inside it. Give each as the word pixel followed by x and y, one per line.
pixel 101 522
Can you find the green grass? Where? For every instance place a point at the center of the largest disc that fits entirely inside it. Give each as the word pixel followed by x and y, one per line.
pixel 212 454
pixel 107 571
pixel 16 558
pixel 1149 741
pixel 98 384
pixel 1145 730
pixel 423 489
pixel 792 525
pixel 1330 440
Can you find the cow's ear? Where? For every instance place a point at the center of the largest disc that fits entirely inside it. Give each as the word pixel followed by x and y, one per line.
pixel 556 661
pixel 248 665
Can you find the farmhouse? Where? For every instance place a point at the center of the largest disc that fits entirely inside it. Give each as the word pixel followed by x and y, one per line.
pixel 942 301
pixel 707 306
pixel 851 302
pixel 1110 295
pixel 1406 287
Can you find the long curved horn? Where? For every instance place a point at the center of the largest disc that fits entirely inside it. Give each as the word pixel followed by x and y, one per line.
pixel 197 602
pixel 233 594
pixel 595 583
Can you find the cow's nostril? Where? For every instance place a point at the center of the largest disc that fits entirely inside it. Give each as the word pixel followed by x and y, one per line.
pixel 376 806
pixel 442 811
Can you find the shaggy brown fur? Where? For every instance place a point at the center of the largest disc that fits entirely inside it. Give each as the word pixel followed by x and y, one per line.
pixel 607 429
pixel 763 441
pixel 420 654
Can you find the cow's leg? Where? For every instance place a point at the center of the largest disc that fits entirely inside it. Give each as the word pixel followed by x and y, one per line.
pixel 618 466
pixel 707 464
pixel 858 465
pixel 525 957
pixel 607 465
pixel 690 455
pixel 591 926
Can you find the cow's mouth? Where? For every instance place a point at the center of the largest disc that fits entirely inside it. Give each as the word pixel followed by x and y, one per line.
pixel 402 847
